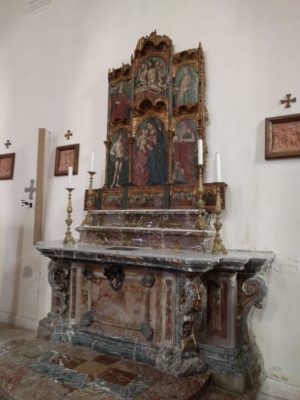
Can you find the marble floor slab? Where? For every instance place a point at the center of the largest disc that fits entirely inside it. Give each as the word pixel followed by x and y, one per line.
pixel 30 368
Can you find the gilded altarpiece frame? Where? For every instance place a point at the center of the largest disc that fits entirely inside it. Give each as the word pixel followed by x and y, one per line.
pixel 156 114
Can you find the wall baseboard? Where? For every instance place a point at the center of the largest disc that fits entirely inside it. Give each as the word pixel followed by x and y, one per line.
pixel 16 320
pixel 280 390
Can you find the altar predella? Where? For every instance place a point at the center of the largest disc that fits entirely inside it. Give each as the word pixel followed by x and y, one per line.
pixel 142 281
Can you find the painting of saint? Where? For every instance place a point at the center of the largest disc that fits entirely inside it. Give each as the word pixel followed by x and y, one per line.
pixel 150 162
pixel 152 76
pixel 185 86
pixel 185 152
pixel 118 160
pixel 120 101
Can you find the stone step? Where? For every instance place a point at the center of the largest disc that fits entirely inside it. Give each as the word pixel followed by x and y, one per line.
pixel 157 238
pixel 151 218
pixel 158 229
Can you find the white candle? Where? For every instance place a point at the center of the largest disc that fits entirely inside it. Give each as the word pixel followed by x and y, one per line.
pixel 200 152
pixel 70 174
pixel 218 167
pixel 92 169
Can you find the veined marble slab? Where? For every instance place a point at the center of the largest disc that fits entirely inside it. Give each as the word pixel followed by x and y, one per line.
pixel 181 260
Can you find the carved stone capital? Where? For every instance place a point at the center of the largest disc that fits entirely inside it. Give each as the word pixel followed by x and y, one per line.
pixel 58 273
pixel 58 277
pixel 193 298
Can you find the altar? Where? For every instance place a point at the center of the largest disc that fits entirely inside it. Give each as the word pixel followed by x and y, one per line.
pixel 150 279
pixel 184 312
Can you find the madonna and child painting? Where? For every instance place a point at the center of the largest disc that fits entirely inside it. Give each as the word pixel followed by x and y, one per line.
pixel 150 158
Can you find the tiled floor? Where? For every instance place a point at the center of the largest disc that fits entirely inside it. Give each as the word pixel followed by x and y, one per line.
pixel 29 369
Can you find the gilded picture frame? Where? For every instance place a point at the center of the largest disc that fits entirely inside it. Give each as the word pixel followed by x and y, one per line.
pixel 7 164
pixel 282 137
pixel 66 156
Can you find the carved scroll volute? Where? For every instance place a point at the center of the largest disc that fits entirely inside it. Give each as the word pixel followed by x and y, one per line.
pixel 252 292
pixel 192 304
pixel 58 277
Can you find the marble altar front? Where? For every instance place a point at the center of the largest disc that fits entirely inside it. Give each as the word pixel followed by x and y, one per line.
pixel 184 312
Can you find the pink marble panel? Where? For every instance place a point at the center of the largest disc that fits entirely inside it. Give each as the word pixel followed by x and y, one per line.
pixel 126 308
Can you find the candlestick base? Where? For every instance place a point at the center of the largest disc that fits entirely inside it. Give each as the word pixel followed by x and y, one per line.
pixel 69 239
pixel 218 246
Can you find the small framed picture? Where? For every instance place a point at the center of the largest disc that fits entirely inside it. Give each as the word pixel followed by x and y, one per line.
pixel 7 163
pixel 282 137
pixel 66 156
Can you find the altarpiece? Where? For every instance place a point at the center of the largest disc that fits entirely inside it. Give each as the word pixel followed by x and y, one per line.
pixel 142 281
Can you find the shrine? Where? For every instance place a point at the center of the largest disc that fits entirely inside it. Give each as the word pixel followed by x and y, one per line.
pixel 150 279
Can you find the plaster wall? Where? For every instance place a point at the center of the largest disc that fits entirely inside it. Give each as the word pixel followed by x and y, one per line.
pixel 53 74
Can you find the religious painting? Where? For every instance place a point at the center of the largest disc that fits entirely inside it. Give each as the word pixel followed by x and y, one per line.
pixel 186 196
pixel 112 199
pixel 182 197
pixel 152 76
pixel 185 152
pixel 120 102
pixel 150 155
pixel 282 137
pixel 185 86
pixel 118 161
pixel 7 163
pixel 65 157
pixel 146 197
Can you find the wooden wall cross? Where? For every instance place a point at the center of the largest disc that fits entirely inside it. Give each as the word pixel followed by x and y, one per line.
pixel 31 189
pixel 68 134
pixel 288 100
pixel 7 144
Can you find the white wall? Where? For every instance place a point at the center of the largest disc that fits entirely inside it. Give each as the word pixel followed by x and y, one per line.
pixel 53 74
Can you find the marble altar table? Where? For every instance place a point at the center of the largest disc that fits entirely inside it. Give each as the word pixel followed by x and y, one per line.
pixel 184 312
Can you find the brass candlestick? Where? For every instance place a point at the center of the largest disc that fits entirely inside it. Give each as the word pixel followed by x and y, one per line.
pixel 201 220
pixel 218 244
pixel 68 236
pixel 89 204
